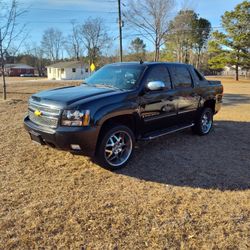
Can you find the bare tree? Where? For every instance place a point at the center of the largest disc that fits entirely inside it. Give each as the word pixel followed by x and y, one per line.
pixel 52 43
pixel 40 61
pixel 95 38
pixel 73 45
pixel 10 31
pixel 151 18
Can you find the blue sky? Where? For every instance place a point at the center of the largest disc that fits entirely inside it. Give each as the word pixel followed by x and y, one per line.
pixel 43 14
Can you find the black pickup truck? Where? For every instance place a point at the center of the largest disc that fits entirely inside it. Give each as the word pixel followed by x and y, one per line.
pixel 120 104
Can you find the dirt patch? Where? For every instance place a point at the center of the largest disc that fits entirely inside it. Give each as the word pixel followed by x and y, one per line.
pixel 180 191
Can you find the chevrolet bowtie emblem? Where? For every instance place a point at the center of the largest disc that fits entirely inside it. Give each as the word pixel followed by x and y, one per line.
pixel 37 113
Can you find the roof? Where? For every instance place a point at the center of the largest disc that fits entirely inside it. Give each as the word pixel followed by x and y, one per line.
pixel 18 66
pixel 67 64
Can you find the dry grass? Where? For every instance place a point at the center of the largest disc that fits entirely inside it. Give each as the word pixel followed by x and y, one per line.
pixel 179 192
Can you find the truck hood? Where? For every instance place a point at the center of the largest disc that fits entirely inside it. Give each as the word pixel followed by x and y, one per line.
pixel 68 95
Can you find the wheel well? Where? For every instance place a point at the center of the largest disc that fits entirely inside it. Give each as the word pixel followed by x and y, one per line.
pixel 127 120
pixel 210 104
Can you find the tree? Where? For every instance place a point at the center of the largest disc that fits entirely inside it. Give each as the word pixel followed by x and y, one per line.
pixel 233 45
pixel 10 31
pixel 52 43
pixel 151 19
pixel 216 60
pixel 94 36
pixel 181 34
pixel 201 35
pixel 138 49
pixel 188 36
pixel 73 45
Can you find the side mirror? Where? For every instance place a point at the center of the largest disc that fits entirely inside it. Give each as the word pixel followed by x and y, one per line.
pixel 155 85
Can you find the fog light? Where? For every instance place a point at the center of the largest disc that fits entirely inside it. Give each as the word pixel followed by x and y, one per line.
pixel 75 147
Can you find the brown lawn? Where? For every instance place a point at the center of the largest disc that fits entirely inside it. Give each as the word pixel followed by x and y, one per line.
pixel 179 192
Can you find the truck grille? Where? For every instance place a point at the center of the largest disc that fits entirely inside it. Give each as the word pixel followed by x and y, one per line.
pixel 48 117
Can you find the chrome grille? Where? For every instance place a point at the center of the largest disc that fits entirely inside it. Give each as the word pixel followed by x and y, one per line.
pixel 44 109
pixel 49 116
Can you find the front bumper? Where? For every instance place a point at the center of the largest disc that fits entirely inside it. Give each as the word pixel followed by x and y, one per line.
pixel 63 137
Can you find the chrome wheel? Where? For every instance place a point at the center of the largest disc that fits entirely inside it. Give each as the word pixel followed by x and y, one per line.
pixel 206 122
pixel 118 148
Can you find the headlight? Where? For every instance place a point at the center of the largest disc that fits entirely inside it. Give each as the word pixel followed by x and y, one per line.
pixel 75 118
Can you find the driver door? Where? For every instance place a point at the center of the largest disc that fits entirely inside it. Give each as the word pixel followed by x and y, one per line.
pixel 158 108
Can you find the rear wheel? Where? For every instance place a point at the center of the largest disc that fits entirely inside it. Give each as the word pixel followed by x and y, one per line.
pixel 204 122
pixel 116 147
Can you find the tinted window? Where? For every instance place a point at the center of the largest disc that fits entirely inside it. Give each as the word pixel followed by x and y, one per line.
pixel 198 75
pixel 159 73
pixel 117 76
pixel 180 76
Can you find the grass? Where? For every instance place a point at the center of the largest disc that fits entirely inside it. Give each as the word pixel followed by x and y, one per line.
pixel 179 192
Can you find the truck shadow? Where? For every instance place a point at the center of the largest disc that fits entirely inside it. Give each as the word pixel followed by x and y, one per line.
pixel 235 99
pixel 220 160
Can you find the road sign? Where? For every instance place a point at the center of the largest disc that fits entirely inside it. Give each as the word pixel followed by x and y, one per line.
pixel 92 67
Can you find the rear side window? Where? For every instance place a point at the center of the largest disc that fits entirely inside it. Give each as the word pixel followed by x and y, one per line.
pixel 197 75
pixel 159 73
pixel 180 76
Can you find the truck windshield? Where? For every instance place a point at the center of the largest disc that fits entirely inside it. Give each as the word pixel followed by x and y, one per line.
pixel 123 77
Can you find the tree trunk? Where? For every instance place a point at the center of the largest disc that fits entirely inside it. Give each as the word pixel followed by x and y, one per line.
pixel 198 59
pixel 4 83
pixel 2 66
pixel 237 66
pixel 237 72
pixel 157 51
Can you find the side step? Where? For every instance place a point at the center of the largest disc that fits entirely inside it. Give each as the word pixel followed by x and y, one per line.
pixel 154 135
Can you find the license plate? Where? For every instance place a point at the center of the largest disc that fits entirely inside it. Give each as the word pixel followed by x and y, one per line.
pixel 36 138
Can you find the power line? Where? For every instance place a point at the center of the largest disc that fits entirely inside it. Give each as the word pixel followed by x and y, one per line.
pixel 80 11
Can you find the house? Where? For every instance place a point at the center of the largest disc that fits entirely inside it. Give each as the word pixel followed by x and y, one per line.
pixel 230 71
pixel 18 70
pixel 72 70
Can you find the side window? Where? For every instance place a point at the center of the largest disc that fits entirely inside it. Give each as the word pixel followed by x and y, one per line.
pixel 199 75
pixel 180 76
pixel 159 73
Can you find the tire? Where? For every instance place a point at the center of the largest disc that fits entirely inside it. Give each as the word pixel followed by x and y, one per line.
pixel 204 122
pixel 116 147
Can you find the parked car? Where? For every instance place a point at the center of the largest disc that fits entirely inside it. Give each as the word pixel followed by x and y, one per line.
pixel 121 104
pixel 26 75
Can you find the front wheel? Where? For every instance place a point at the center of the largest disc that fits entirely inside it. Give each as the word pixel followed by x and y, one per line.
pixel 204 122
pixel 116 147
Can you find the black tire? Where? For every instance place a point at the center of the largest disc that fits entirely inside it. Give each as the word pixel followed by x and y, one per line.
pixel 199 127
pixel 123 151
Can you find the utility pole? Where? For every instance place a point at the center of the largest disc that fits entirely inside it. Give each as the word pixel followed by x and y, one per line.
pixel 120 27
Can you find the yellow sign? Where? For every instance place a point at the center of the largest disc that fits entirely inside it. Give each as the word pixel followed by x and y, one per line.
pixel 38 113
pixel 92 67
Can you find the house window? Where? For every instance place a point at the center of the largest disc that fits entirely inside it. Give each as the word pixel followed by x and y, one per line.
pixel 62 71
pixel 86 70
pixel 73 70
pixel 50 70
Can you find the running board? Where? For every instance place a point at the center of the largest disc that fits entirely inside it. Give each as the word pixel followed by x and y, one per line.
pixel 157 134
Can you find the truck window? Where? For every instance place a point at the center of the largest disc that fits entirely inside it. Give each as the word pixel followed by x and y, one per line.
pixel 159 73
pixel 180 76
pixel 197 75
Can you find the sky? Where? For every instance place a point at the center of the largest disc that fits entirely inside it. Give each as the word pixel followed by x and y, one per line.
pixel 43 14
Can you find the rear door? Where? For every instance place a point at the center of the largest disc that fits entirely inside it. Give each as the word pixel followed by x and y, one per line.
pixel 188 99
pixel 158 108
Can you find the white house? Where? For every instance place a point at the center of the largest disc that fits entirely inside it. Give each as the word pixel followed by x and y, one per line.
pixel 230 71
pixel 72 70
